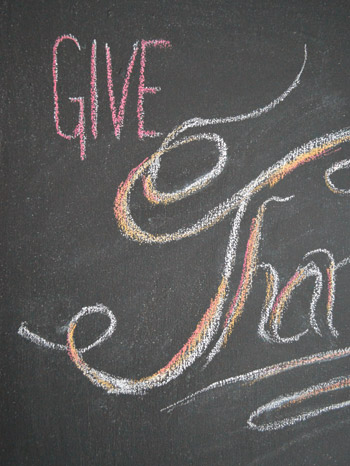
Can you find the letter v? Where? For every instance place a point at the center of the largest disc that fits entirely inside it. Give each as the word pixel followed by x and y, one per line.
pixel 118 120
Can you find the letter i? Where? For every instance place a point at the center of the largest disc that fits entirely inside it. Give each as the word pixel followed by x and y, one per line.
pixel 93 91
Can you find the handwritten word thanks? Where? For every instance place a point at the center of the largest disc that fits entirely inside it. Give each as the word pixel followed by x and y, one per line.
pixel 216 326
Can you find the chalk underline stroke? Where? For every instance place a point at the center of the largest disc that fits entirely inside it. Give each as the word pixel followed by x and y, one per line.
pixel 280 402
pixel 209 325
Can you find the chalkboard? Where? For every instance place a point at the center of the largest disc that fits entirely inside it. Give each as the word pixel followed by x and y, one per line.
pixel 175 195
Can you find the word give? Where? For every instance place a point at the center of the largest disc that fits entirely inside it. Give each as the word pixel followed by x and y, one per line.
pixel 117 117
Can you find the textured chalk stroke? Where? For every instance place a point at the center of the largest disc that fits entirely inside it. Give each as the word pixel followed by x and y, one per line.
pixel 146 90
pixel 93 91
pixel 272 302
pixel 79 130
pixel 276 301
pixel 338 383
pixel 118 120
pixel 334 168
pixel 263 373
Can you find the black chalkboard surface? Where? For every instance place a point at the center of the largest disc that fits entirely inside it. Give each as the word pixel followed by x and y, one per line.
pixel 175 195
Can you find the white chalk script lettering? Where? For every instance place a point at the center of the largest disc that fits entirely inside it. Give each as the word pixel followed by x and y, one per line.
pixel 214 329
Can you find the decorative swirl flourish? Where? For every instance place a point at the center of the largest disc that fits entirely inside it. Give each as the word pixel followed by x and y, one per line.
pixel 275 304
pixel 334 168
pixel 338 383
